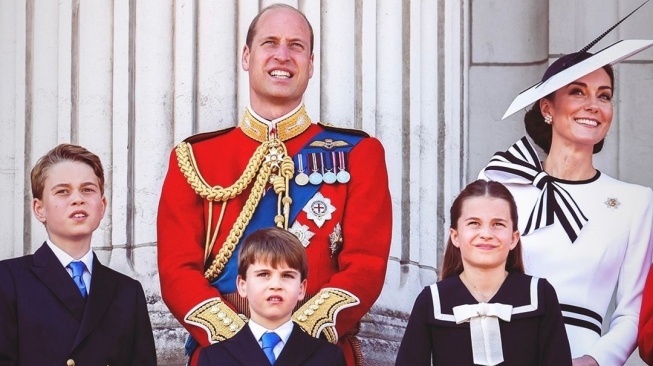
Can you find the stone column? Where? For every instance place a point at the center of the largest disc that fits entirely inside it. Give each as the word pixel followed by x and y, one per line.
pixel 509 53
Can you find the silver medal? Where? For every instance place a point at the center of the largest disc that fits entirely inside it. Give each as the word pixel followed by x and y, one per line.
pixel 301 179
pixel 329 177
pixel 343 176
pixel 315 178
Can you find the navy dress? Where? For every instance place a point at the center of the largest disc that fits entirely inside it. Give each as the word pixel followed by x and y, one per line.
pixel 535 334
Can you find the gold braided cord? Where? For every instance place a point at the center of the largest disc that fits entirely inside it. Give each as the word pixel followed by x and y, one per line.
pixel 286 201
pixel 209 245
pixel 286 172
pixel 274 149
pixel 207 242
pixel 270 163
pixel 188 166
pixel 236 232
pixel 279 185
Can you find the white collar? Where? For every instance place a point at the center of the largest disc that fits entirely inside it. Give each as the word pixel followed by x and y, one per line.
pixel 65 258
pixel 282 331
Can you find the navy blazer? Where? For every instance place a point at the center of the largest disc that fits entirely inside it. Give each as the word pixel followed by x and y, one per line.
pixel 244 350
pixel 45 320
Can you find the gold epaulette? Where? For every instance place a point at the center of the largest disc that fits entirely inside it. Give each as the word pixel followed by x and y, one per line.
pixel 353 131
pixel 216 318
pixel 318 315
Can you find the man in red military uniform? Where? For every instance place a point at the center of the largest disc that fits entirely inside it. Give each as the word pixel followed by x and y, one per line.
pixel 326 185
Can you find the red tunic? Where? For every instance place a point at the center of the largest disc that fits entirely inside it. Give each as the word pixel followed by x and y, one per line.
pixel 362 208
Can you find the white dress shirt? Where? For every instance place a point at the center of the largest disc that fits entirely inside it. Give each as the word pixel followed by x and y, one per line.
pixel 65 260
pixel 283 332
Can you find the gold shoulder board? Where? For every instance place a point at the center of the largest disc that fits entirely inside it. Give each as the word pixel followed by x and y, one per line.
pixel 214 316
pixel 318 315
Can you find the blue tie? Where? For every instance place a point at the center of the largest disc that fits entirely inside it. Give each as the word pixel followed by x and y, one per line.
pixel 269 340
pixel 78 269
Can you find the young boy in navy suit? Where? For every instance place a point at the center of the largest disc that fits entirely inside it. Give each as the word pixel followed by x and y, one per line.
pixel 61 306
pixel 272 268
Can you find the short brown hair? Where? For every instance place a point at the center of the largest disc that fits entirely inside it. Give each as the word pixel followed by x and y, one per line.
pixel 251 32
pixel 64 152
pixel 274 246
pixel 452 264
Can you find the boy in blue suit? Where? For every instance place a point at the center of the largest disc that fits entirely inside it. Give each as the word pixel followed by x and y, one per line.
pixel 61 306
pixel 272 268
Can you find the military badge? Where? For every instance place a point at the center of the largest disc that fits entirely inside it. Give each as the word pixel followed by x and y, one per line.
pixel 319 209
pixel 329 144
pixel 302 233
pixel 274 157
pixel 335 240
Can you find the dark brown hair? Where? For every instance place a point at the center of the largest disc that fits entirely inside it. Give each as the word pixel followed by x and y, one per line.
pixel 452 264
pixel 251 31
pixel 61 153
pixel 542 133
pixel 275 247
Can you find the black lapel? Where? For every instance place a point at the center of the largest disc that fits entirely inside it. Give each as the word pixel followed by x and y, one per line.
pixel 246 349
pixel 53 275
pixel 104 287
pixel 300 346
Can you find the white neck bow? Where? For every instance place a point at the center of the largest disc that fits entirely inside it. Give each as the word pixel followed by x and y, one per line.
pixel 483 321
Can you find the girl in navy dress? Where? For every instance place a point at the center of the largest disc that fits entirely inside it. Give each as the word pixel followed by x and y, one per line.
pixel 485 310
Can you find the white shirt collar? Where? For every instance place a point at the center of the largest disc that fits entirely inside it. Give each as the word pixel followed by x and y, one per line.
pixel 282 331
pixel 65 258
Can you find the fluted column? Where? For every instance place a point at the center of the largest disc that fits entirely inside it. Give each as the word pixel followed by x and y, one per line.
pixel 509 52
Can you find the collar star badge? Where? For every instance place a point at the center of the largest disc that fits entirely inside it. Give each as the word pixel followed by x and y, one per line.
pixel 319 209
pixel 302 233
pixel 612 203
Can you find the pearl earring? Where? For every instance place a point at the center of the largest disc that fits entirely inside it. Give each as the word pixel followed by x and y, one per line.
pixel 548 119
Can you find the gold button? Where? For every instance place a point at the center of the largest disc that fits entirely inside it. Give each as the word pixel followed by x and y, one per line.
pixel 70 362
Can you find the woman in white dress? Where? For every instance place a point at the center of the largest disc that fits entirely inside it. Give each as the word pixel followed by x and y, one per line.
pixel 587 233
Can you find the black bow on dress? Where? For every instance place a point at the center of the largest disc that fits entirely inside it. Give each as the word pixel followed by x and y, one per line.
pixel 520 164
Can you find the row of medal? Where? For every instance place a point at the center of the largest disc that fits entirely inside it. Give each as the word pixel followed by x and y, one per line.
pixel 318 168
